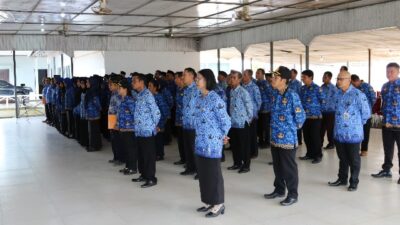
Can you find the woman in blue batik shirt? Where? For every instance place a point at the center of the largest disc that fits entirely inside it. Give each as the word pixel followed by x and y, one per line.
pixel 83 124
pixel 211 123
pixel 93 109
pixel 125 124
pixel 154 88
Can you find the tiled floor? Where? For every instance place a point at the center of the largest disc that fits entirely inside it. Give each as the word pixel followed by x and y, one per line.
pixel 46 179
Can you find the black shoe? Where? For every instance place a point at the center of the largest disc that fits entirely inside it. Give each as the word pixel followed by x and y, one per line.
pixel 254 156
pixel 187 172
pixel 180 162
pixel 338 182
pixel 123 170
pixel 223 159
pixel 317 160
pixel 234 167
pixel 149 183
pixel 270 163
pixel 274 195
pixel 130 172
pixel 382 173
pixel 112 161
pixel 288 201
pixel 329 147
pixel 118 163
pixel 196 177
pixel 398 182
pixel 305 158
pixel 244 170
pixel 204 209
pixel 352 187
pixel 139 179
pixel 221 211
pixel 160 158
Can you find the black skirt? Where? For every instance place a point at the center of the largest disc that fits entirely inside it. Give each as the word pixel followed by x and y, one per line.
pixel 94 131
pixel 210 180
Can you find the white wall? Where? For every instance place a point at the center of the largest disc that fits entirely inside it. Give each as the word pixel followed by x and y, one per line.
pixel 149 62
pixel 87 63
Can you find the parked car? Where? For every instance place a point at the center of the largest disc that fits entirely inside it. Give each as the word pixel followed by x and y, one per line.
pixel 7 89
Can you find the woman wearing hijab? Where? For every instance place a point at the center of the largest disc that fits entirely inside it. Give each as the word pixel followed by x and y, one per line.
pixel 93 109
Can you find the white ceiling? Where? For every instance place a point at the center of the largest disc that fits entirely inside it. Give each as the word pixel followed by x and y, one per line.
pixel 152 18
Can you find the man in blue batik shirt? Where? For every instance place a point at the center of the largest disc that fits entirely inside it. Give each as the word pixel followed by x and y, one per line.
pixel 328 109
pixel 391 122
pixel 264 115
pixel 311 97
pixel 287 115
pixel 191 93
pixel 178 116
pixel 352 112
pixel 371 96
pixel 255 95
pixel 147 116
pixel 295 85
pixel 242 113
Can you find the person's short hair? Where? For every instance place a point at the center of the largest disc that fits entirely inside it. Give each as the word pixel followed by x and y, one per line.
pixel 308 73
pixel 354 78
pixel 393 64
pixel 268 75
pixel 155 83
pixel 123 73
pixel 142 77
pixel 222 73
pixel 191 71
pixel 179 74
pixel 344 68
pixel 170 72
pixel 250 72
pixel 328 73
pixel 209 76
pixel 262 70
pixel 237 72
pixel 294 71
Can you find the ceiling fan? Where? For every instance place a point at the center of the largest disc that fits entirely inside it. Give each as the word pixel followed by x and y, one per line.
pixel 101 9
pixel 64 30
pixel 170 33
pixel 244 13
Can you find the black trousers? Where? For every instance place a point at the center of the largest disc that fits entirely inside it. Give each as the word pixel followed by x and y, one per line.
pixel 127 141
pixel 77 121
pixel 240 142
pixel 211 181
pixel 181 149
pixel 312 138
pixel 367 129
pixel 349 156
pixel 83 132
pixel 264 128
pixel 285 169
pixel 390 136
pixel 188 145
pixel 116 146
pixel 300 136
pixel 146 147
pixel 63 122
pixel 104 125
pixel 70 123
pixel 160 143
pixel 94 135
pixel 47 111
pixel 167 137
pixel 253 138
pixel 327 124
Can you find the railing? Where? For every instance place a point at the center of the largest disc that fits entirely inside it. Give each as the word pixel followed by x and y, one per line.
pixel 26 105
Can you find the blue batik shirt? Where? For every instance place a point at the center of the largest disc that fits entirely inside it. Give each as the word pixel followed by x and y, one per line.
pixel 49 94
pixel 221 93
pixel 147 115
pixel 115 100
pixel 164 110
pixel 352 112
pixel 266 95
pixel 93 108
pixel 82 110
pixel 311 98
pixel 295 85
pixel 212 123
pixel 125 110
pixel 240 107
pixel 255 95
pixel 169 99
pixel 369 92
pixel 179 106
pixel 222 85
pixel 287 116
pixel 191 93
pixel 328 103
pixel 70 98
pixel 44 92
pixel 391 104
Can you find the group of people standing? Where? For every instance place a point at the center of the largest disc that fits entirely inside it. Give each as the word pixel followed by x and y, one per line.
pixel 138 114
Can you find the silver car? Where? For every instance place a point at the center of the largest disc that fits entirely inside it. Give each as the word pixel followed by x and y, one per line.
pixel 7 89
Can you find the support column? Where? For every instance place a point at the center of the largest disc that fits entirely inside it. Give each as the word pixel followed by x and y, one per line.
pixel 301 63
pixel 271 56
pixel 219 59
pixel 369 66
pixel 62 65
pixel 72 66
pixel 15 86
pixel 307 57
pixel 242 54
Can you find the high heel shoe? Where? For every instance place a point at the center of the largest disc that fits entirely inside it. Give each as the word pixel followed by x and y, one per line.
pixel 220 211
pixel 204 209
